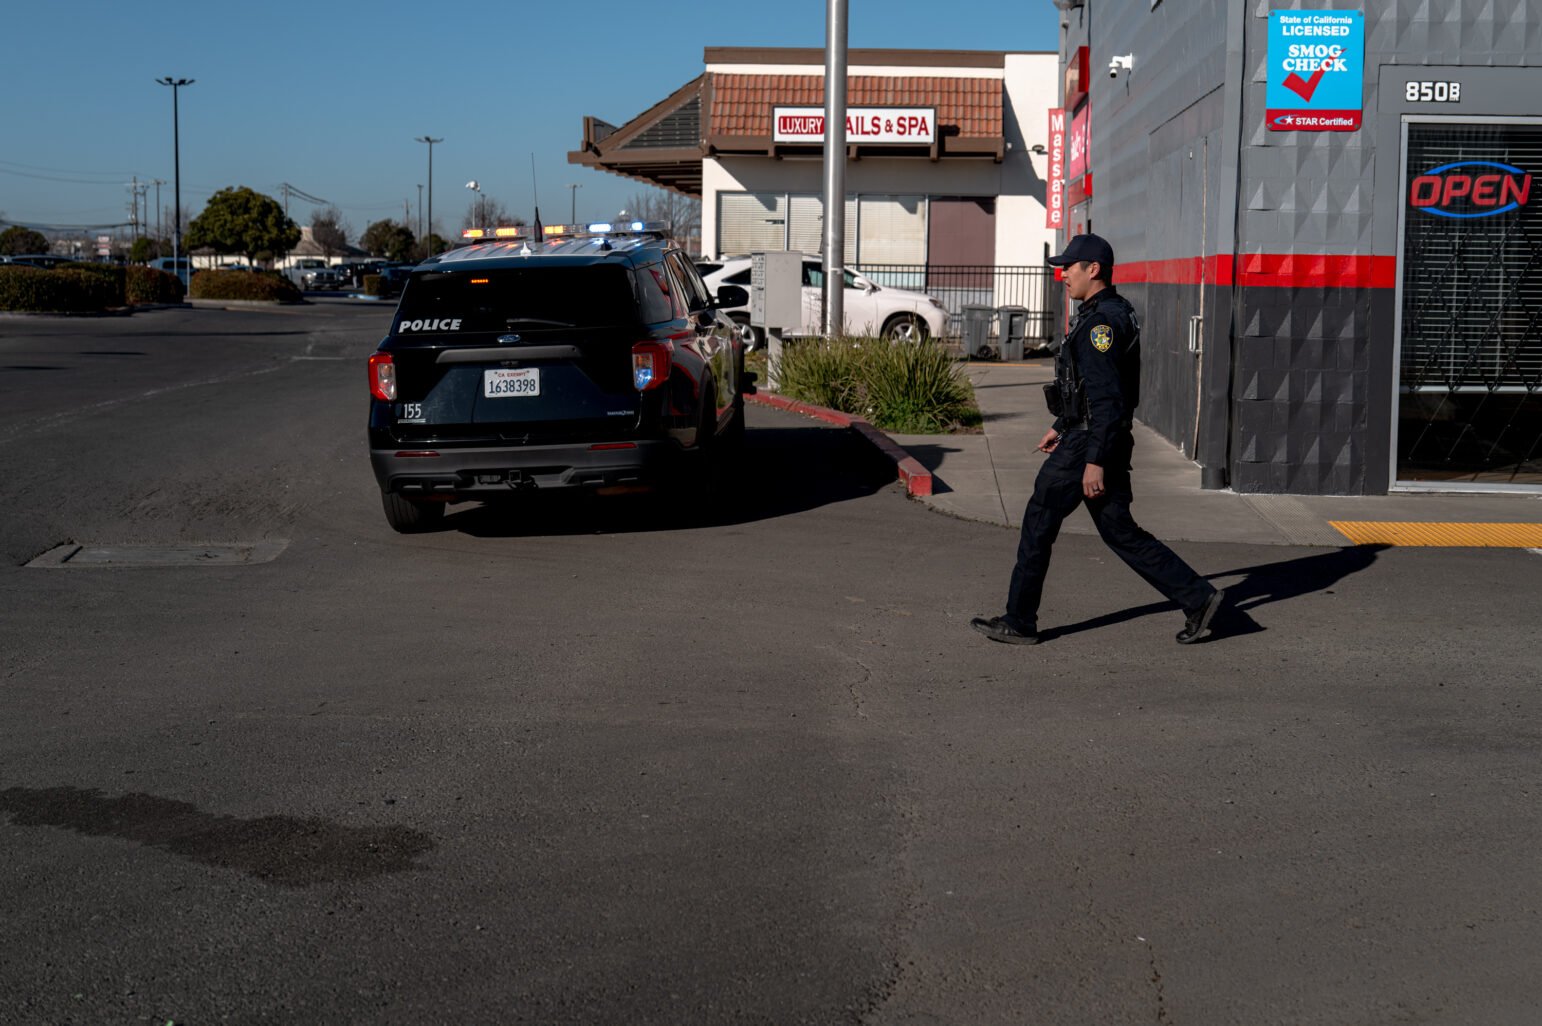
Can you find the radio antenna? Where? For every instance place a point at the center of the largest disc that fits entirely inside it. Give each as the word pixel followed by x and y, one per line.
pixel 534 194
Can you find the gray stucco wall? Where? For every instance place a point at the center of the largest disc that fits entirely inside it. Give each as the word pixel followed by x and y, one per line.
pixel 1296 383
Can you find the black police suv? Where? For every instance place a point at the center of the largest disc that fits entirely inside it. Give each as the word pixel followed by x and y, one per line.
pixel 592 359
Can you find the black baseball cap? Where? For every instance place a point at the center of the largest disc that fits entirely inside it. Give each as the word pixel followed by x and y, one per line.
pixel 1093 248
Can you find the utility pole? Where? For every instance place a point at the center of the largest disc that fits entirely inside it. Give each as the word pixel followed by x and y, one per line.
pixel 430 141
pixel 134 205
pixel 835 167
pixel 284 188
pixel 176 150
pixel 159 235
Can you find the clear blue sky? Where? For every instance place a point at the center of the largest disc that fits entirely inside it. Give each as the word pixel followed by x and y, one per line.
pixel 329 97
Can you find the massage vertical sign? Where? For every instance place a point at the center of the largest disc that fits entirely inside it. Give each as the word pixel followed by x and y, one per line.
pixel 1316 71
pixel 1054 203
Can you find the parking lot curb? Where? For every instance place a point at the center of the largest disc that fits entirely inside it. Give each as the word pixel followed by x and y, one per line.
pixel 917 479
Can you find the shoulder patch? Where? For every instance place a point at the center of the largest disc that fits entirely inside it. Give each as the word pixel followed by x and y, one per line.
pixel 1102 337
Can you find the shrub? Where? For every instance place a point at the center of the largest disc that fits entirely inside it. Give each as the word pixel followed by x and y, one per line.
pixel 909 388
pixel 243 285
pixel 66 290
pixel 112 273
pixel 147 285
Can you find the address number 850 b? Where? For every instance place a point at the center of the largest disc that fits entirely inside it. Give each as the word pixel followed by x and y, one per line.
pixel 1432 92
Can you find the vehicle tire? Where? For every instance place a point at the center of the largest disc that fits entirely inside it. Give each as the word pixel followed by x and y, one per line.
pixel 751 337
pixel 411 516
pixel 904 327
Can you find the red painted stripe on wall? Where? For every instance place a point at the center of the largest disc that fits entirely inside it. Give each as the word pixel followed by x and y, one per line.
pixel 1266 270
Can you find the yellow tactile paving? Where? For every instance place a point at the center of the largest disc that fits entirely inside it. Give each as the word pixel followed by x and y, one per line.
pixel 1376 532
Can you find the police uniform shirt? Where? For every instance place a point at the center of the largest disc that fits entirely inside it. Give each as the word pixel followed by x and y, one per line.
pixel 1105 346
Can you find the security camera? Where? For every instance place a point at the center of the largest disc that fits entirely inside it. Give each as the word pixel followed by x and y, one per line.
pixel 1118 64
pixel 1113 68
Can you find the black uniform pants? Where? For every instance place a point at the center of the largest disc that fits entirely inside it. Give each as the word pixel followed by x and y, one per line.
pixel 1056 493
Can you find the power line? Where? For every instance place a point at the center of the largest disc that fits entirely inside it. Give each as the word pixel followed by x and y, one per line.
pixel 289 190
pixel 62 170
pixel 66 227
pixel 56 178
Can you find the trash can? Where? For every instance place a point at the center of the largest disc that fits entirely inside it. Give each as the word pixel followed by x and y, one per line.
pixel 977 331
pixel 1014 329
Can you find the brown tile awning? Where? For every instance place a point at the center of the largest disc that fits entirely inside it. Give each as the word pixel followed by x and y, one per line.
pixel 726 113
pixel 967 108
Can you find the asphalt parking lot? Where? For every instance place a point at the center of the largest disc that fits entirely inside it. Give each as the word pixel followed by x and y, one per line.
pixel 610 761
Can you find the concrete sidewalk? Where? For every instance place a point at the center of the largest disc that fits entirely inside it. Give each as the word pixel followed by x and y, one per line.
pixel 990 477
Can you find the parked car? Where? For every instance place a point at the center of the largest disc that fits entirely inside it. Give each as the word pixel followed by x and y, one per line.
pixel 599 362
pixel 43 260
pixel 171 265
pixel 353 271
pixel 296 271
pixel 870 308
pixel 392 278
pixel 321 279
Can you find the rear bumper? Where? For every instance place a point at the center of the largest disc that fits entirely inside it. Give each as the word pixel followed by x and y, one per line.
pixel 485 473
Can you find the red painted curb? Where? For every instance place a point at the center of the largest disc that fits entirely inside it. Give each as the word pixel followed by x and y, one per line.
pixel 917 479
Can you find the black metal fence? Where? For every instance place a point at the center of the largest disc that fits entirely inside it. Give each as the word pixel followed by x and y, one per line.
pixel 959 285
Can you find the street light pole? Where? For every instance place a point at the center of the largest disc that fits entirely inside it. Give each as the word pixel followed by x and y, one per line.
pixel 478 213
pixel 176 157
pixel 428 248
pixel 835 167
pixel 420 210
pixel 573 209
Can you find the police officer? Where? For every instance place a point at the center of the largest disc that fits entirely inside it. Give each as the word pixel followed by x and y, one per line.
pixel 1097 385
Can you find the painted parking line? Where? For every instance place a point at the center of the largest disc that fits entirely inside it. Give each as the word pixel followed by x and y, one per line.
pixel 1445 535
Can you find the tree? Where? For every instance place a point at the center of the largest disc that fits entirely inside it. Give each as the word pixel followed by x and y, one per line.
pixel 241 220
pixel 17 239
pixel 388 239
pixel 427 247
pixel 681 213
pixel 330 231
pixel 488 212
pixel 146 249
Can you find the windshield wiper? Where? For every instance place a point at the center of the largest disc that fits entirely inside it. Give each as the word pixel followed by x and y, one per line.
pixel 511 321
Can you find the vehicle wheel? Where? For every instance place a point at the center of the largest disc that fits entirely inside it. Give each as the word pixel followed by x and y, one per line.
pixel 411 516
pixel 750 337
pixel 904 328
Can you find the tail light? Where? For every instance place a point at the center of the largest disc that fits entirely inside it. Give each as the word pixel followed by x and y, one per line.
pixel 382 377
pixel 650 364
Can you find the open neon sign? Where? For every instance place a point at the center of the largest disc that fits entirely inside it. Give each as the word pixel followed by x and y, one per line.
pixel 1470 188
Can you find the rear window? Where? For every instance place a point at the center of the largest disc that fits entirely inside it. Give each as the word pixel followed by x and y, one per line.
pixel 528 297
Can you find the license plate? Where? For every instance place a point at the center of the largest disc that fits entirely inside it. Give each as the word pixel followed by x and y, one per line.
pixel 511 384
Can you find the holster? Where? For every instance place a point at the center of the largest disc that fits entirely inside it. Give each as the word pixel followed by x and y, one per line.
pixel 1053 399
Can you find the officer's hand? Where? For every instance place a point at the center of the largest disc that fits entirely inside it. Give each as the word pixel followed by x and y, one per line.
pixel 1049 441
pixel 1092 481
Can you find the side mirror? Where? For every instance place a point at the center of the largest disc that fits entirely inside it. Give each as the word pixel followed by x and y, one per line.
pixel 731 295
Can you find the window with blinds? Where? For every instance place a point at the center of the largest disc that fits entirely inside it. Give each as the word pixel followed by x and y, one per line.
pixel 806 226
pixel 748 222
pixel 892 230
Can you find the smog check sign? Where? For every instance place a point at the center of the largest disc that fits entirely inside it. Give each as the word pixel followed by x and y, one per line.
pixel 1316 71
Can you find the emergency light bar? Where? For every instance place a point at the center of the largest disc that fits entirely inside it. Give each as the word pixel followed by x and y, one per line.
pixel 511 232
pixel 606 228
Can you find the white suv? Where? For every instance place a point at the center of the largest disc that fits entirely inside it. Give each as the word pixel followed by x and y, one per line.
pixel 870 308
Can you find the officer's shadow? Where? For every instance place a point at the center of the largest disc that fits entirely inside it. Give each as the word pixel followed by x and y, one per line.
pixel 1259 586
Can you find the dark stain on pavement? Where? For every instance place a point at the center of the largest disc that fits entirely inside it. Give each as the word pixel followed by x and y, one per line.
pixel 280 850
